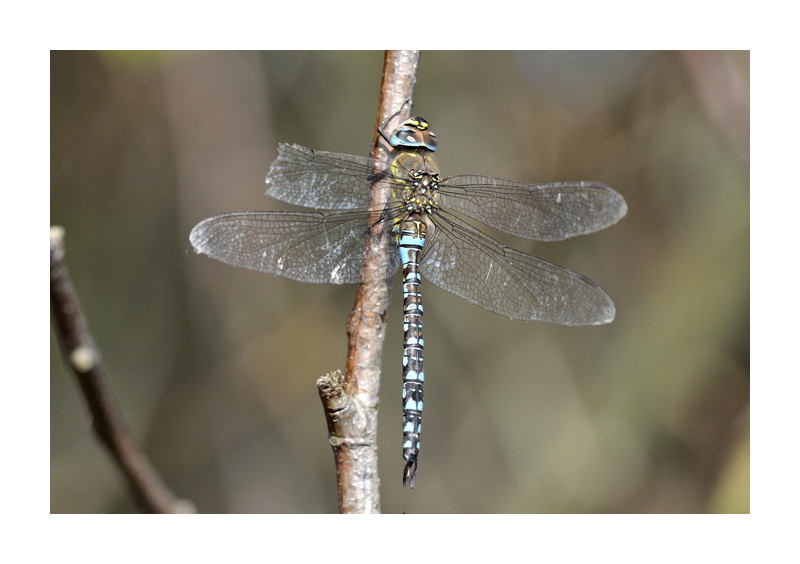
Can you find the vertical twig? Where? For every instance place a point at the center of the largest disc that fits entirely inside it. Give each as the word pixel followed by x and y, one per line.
pixel 351 403
pixel 83 358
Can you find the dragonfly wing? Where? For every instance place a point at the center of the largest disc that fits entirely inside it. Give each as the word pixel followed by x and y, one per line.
pixel 543 212
pixel 318 179
pixel 304 246
pixel 480 270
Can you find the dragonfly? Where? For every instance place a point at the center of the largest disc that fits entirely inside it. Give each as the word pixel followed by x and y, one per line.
pixel 433 235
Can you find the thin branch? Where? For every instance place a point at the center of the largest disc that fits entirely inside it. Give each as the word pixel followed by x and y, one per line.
pixel 346 420
pixel 351 405
pixel 83 358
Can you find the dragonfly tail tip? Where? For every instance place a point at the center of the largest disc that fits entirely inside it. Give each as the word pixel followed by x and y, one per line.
pixel 410 473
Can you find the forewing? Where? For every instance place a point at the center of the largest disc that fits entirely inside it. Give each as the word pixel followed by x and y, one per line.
pixel 319 179
pixel 304 246
pixel 473 266
pixel 543 212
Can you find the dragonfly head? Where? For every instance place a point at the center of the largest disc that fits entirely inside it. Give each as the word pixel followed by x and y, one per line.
pixel 414 133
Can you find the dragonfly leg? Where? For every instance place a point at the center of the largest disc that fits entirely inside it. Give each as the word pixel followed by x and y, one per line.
pixel 381 127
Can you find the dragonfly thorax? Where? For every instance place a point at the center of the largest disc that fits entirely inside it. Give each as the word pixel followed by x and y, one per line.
pixel 417 183
pixel 420 195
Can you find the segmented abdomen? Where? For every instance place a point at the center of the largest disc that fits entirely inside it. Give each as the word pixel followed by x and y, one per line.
pixel 411 238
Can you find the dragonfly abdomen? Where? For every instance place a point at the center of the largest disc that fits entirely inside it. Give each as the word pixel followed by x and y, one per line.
pixel 410 240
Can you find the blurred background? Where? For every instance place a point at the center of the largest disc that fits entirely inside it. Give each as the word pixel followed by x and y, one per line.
pixel 215 367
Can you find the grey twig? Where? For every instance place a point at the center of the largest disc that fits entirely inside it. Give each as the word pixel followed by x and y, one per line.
pixel 351 403
pixel 83 358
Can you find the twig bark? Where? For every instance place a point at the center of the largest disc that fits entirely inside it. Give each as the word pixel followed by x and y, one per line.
pixel 351 403
pixel 83 358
